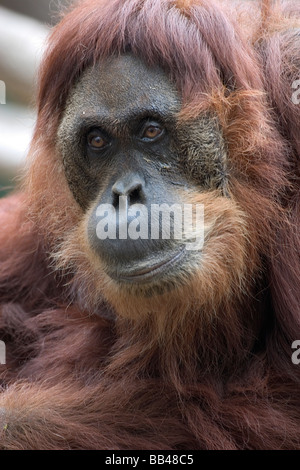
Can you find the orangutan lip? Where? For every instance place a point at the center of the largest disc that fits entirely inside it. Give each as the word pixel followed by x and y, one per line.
pixel 151 271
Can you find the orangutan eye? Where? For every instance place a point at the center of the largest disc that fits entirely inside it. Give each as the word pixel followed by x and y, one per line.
pixel 152 131
pixel 96 140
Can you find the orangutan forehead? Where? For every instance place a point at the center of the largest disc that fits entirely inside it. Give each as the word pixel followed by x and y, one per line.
pixel 124 86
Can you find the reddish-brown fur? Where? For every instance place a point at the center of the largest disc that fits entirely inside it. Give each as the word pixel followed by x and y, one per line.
pixel 207 372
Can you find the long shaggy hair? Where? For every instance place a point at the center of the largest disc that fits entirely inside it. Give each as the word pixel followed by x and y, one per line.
pixel 207 365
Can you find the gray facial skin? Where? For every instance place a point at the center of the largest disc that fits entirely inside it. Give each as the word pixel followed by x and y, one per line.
pixel 120 136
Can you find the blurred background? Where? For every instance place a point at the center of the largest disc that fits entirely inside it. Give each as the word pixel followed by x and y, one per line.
pixel 24 26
